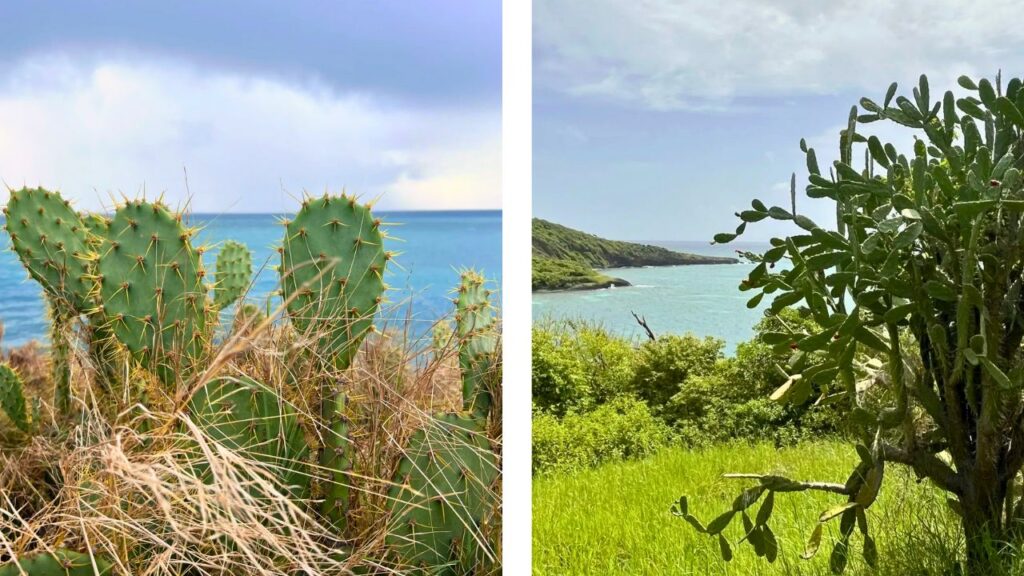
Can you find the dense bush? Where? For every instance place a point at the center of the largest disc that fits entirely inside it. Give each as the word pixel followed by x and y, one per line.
pixel 578 365
pixel 664 365
pixel 621 429
pixel 599 397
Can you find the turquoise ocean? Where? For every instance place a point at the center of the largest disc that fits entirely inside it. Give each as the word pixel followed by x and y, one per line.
pixel 702 299
pixel 432 247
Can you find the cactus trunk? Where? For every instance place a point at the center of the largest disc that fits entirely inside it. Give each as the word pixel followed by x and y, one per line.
pixel 60 355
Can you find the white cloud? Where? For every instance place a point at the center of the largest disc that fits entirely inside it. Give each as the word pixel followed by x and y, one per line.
pixel 696 54
pixel 249 144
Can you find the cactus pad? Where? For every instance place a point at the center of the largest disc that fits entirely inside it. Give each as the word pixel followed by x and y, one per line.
pixel 332 273
pixel 60 562
pixel 12 398
pixel 254 420
pixel 50 239
pixel 151 287
pixel 234 271
pixel 474 317
pixel 442 495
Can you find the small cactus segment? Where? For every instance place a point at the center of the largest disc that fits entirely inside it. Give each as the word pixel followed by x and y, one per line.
pixel 474 316
pixel 50 239
pixel 151 288
pixel 254 420
pixel 442 495
pixel 234 271
pixel 12 398
pixel 332 273
pixel 60 562
pixel 337 459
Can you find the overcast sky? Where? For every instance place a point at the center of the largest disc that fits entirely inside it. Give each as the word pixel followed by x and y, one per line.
pixel 258 100
pixel 658 119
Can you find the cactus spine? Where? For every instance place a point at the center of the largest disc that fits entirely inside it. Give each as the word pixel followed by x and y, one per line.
pixel 60 562
pixel 151 287
pixel 332 278
pixel 234 270
pixel 12 398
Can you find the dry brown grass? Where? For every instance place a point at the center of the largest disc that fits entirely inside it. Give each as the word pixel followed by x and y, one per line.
pixel 122 481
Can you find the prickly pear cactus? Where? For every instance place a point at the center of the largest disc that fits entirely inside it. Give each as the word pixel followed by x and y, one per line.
pixel 151 288
pixel 50 240
pixel 474 317
pixel 234 272
pixel 332 273
pixel 442 496
pixel 332 277
pixel 254 420
pixel 60 562
pixel 12 398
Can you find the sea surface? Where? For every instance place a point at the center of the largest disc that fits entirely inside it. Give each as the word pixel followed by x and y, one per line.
pixel 432 247
pixel 701 299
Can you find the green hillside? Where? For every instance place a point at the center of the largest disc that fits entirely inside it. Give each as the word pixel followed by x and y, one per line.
pixel 564 259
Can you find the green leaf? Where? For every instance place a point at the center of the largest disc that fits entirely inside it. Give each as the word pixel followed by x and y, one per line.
pixel 897 313
pixel 765 511
pixel 908 235
pixel 724 238
pixel 779 213
pixel 723 546
pixel 1009 110
pixel 753 216
pixel 837 561
pixel 813 543
pixel 870 552
pixel 753 302
pixel 998 375
pixel 966 83
pixel 986 92
pixel 940 291
pixel 771 544
pixel 719 524
pixel 836 511
pixel 805 222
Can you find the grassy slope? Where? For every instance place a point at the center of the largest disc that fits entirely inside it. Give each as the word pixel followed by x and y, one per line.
pixel 552 240
pixel 616 520
pixel 551 274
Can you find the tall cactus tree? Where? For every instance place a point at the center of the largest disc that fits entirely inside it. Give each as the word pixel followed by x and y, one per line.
pixel 332 278
pixel 50 239
pixel 150 284
pixel 923 270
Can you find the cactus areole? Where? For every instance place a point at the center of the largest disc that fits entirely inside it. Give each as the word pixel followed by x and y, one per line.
pixel 921 275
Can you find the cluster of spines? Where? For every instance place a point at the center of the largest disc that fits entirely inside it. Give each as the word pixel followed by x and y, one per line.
pixel 150 284
pixel 478 340
pixel 234 272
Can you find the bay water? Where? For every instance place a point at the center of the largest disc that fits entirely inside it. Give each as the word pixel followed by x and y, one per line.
pixel 703 300
pixel 432 248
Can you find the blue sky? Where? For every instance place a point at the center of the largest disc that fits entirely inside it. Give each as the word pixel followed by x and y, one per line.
pixel 658 119
pixel 257 100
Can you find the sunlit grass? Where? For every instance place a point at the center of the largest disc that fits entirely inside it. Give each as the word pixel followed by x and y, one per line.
pixel 615 519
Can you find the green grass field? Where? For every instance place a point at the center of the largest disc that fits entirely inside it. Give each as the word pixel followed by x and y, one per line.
pixel 616 519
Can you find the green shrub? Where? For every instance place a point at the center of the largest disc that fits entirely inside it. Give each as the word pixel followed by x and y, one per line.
pixel 663 365
pixel 622 429
pixel 577 366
